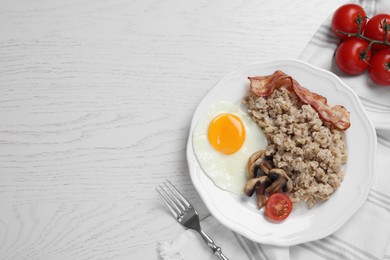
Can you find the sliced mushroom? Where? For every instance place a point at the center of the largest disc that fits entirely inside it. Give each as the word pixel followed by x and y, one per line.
pixel 280 181
pixel 258 165
pixel 259 186
pixel 249 188
pixel 252 163
pixel 265 165
pixel 260 192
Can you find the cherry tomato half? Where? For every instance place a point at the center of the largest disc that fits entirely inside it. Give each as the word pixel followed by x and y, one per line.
pixel 345 19
pixel 278 207
pixel 349 56
pixel 375 29
pixel 379 69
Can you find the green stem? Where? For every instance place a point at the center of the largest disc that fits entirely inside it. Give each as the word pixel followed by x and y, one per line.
pixel 358 34
pixel 361 36
pixel 387 28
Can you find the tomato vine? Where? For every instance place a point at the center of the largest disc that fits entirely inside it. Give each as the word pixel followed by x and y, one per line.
pixel 359 34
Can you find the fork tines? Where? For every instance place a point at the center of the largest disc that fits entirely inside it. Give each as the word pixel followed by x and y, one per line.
pixel 173 199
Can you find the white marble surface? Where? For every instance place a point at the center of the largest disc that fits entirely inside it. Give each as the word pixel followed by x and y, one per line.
pixel 96 98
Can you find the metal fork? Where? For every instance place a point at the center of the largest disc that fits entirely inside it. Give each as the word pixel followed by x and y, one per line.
pixel 186 214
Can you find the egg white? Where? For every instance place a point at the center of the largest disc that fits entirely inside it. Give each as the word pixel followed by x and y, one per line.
pixel 229 172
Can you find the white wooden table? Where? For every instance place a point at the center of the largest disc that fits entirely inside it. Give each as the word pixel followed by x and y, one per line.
pixel 96 98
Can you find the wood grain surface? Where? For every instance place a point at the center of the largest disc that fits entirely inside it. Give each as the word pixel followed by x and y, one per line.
pixel 96 98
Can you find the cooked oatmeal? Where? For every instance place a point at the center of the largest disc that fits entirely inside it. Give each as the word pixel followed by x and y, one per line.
pixel 310 150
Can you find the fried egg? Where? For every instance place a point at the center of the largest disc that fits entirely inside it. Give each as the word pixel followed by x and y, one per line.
pixel 223 140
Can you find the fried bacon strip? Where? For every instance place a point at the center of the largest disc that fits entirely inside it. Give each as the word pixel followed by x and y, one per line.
pixel 263 86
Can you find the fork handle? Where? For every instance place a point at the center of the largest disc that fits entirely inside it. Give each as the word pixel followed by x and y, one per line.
pixel 216 249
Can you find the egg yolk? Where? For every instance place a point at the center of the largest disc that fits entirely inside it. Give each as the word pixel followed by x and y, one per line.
pixel 226 133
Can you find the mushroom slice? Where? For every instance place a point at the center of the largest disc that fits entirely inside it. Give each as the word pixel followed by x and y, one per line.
pixel 260 192
pixel 259 186
pixel 258 162
pixel 249 188
pixel 265 165
pixel 280 181
pixel 252 163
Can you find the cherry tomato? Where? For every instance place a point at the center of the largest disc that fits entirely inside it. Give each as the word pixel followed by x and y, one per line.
pixel 379 69
pixel 375 29
pixel 349 56
pixel 345 19
pixel 278 207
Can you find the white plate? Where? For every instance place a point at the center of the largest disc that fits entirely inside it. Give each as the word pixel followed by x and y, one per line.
pixel 239 213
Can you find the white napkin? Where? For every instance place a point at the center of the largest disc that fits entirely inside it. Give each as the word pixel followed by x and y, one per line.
pixel 367 234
